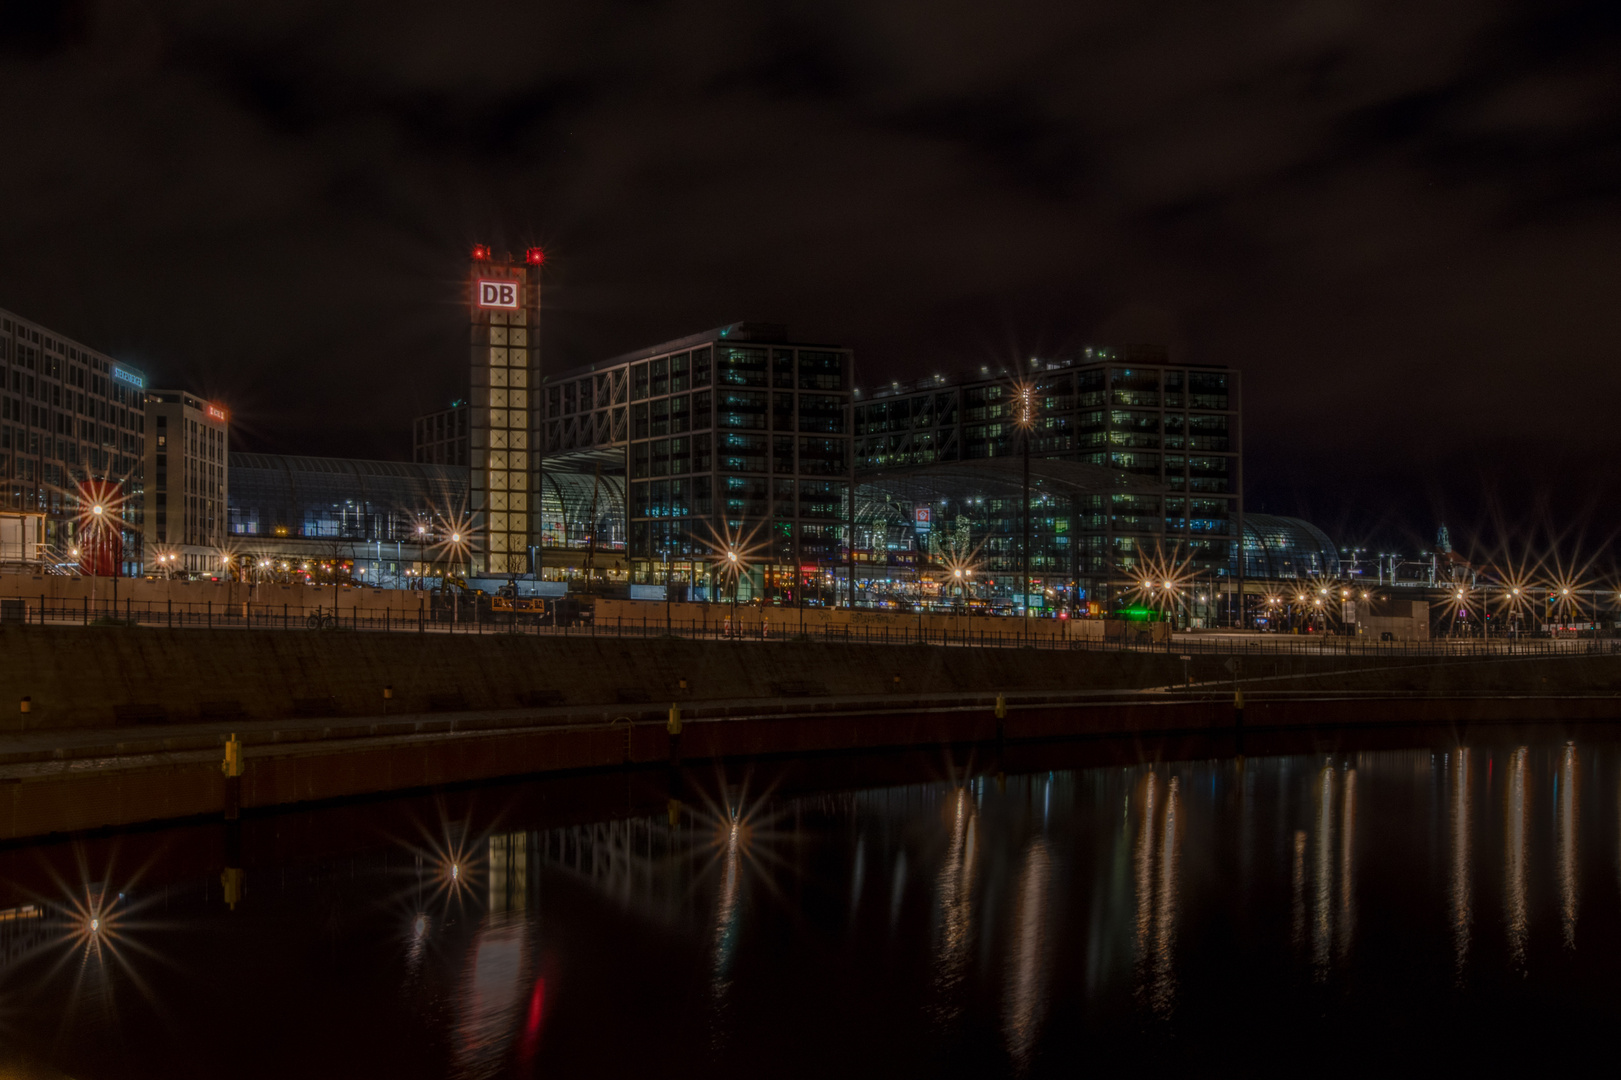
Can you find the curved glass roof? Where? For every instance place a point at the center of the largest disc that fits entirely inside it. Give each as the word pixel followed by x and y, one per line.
pixel 1286 547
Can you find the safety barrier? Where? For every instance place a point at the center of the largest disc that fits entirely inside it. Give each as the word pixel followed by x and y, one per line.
pixel 469 618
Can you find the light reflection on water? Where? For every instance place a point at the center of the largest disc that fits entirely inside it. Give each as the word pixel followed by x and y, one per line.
pixel 1460 883
pixel 1569 891
pixel 1516 853
pixel 1029 955
pixel 954 904
pixel 970 924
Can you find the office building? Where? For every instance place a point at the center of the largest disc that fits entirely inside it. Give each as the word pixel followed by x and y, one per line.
pixel 1173 429
pixel 69 414
pixel 733 439
pixel 441 438
pixel 188 467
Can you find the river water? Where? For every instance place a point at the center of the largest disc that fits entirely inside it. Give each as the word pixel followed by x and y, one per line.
pixel 1329 905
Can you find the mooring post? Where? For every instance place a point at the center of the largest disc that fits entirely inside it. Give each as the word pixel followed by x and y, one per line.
pixel 673 726
pixel 232 768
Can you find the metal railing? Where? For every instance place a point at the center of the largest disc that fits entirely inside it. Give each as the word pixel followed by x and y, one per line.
pixel 470 618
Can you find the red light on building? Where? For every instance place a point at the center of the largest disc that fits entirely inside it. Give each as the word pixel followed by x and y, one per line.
pixel 217 413
pixel 481 252
pixel 534 256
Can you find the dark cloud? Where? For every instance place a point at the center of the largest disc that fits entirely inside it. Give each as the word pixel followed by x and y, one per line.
pixel 1399 220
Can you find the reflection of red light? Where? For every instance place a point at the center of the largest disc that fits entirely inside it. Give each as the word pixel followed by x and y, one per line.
pixel 534 256
pixel 481 252
pixel 531 1025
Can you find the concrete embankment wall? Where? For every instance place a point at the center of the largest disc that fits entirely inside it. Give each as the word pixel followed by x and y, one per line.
pixel 94 677
pixel 55 798
pixel 80 677
pixel 789 698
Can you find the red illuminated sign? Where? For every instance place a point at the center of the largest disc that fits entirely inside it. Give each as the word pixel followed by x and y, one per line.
pixel 216 413
pixel 497 294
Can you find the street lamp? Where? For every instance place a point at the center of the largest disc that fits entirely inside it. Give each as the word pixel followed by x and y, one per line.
pixel 1025 422
pixel 734 566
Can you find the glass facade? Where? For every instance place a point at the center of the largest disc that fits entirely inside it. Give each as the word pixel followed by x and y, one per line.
pixel 68 413
pixel 731 439
pixel 313 498
pixel 1286 547
pixel 1130 410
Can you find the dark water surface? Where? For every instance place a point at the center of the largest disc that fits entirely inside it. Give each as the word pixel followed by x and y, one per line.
pixel 1331 905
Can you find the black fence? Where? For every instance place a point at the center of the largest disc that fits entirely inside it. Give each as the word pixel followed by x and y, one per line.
pixel 464 616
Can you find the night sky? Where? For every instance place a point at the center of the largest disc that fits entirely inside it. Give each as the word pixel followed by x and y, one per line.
pixel 1401 221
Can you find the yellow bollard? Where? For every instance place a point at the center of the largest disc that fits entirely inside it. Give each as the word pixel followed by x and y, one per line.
pixel 231 882
pixel 673 808
pixel 27 705
pixel 232 765
pixel 1001 707
pixel 673 726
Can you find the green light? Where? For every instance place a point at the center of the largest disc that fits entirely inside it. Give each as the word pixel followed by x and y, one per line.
pixel 1138 614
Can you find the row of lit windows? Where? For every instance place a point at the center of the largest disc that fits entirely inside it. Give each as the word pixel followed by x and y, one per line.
pixel 789 369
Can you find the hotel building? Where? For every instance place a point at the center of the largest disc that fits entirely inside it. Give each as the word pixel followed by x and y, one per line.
pixel 189 482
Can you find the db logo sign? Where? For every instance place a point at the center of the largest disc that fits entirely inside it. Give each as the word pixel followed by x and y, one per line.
pixel 498 294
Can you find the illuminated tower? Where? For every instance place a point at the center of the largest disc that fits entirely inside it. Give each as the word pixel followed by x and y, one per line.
pixel 504 302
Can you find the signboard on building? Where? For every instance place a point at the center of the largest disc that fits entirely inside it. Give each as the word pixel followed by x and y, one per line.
pixel 923 518
pixel 497 294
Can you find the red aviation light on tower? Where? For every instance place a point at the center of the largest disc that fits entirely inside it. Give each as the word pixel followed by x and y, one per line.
pixel 534 256
pixel 481 253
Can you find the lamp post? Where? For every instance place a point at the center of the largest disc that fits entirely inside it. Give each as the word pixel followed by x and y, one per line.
pixel 734 566
pixel 1026 423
